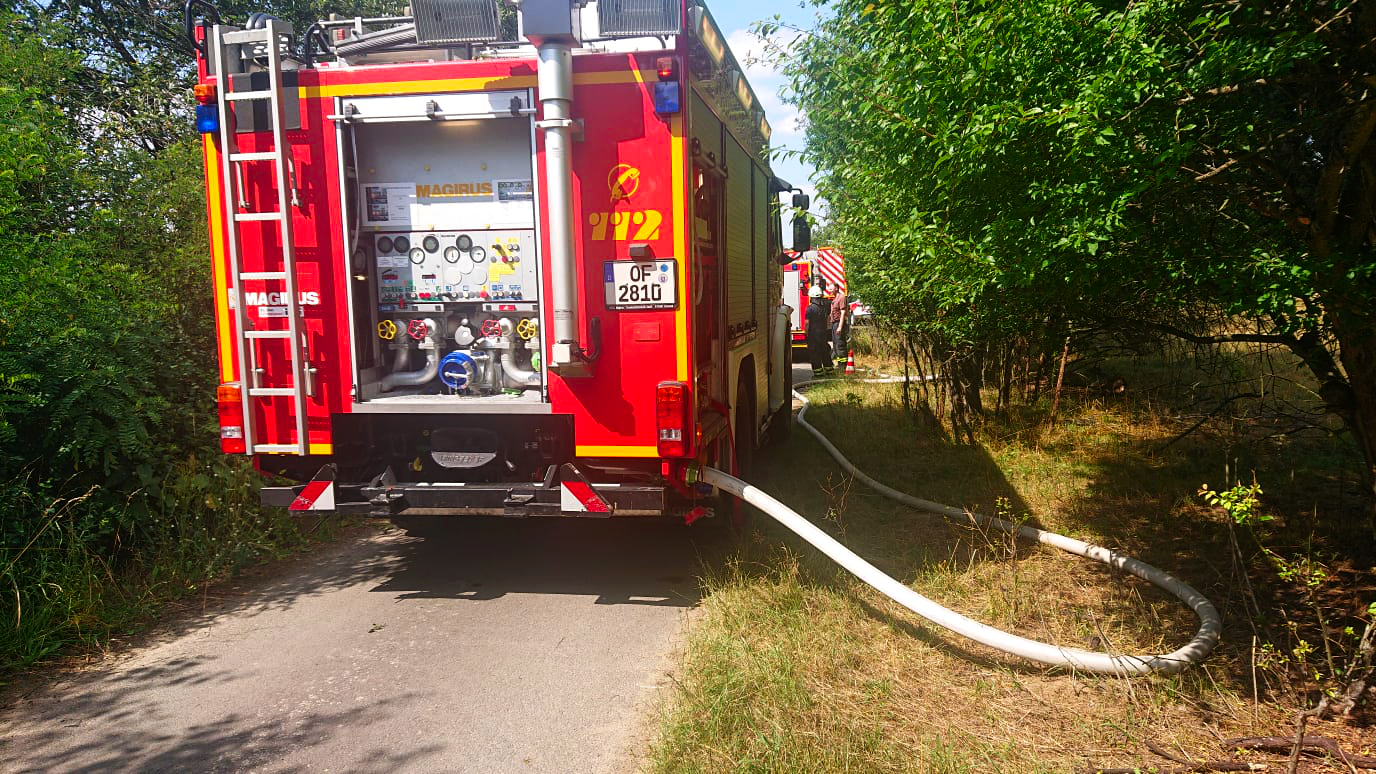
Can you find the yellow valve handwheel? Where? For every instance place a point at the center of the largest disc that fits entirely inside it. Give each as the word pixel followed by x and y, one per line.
pixel 387 330
pixel 527 328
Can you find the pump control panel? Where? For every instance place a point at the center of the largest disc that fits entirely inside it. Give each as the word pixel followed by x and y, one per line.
pixel 419 269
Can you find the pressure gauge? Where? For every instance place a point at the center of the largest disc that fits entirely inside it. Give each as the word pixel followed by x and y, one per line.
pixel 384 244
pixel 451 254
pixel 431 243
pixel 402 244
pixel 417 256
pixel 478 253
pixel 465 242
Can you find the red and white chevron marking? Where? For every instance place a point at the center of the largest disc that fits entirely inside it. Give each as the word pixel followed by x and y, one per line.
pixel 832 266
pixel 316 496
pixel 580 497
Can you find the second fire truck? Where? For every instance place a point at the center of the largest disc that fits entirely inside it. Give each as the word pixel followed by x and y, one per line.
pixel 824 266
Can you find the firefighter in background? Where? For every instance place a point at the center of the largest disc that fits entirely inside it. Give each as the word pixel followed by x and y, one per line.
pixel 838 320
pixel 819 332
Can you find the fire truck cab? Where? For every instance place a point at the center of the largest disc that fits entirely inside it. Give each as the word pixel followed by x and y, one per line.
pixel 491 260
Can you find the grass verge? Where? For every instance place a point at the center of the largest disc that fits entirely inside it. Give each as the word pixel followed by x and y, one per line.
pixel 795 666
pixel 82 576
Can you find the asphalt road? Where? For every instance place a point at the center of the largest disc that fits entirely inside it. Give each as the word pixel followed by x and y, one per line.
pixel 443 645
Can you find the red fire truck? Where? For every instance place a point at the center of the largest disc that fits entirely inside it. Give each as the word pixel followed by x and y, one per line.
pixel 825 266
pixel 471 261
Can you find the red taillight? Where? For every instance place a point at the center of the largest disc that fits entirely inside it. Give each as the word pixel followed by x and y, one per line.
pixel 665 67
pixel 205 93
pixel 673 419
pixel 229 402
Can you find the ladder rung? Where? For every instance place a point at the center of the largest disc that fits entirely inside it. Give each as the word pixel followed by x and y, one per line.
pixel 268 392
pixel 235 96
pixel 254 156
pixel 263 275
pixel 267 335
pixel 289 448
pixel 247 216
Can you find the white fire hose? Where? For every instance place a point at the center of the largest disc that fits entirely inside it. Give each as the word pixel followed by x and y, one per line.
pixel 1210 625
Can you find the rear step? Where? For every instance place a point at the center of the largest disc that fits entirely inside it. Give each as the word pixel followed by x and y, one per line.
pixel 566 493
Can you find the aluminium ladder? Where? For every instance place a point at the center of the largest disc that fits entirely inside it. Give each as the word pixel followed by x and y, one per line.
pixel 232 48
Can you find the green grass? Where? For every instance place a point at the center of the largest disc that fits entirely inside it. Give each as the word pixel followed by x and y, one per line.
pixel 65 593
pixel 795 666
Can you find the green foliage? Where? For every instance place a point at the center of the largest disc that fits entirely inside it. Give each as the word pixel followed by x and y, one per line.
pixel 62 586
pixel 106 358
pixel 1036 168
pixel 1239 503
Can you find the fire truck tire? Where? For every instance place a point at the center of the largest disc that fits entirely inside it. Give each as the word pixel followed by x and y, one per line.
pixel 781 423
pixel 739 513
pixel 744 432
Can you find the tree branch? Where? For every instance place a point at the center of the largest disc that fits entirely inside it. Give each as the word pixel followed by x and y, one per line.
pixel 1222 338
pixel 1351 142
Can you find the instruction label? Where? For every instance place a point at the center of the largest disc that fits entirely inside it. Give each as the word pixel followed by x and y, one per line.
pixel 389 204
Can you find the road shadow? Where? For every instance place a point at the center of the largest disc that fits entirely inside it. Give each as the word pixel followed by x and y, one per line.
pixel 630 561
pixel 120 721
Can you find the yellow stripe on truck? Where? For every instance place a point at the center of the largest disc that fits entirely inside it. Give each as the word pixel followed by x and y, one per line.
pixel 677 183
pixel 480 83
pixel 616 451
pixel 215 197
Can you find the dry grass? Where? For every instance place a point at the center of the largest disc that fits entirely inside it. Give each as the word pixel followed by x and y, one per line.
pixel 796 667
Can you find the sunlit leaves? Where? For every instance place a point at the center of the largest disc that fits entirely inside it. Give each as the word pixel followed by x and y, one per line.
pixel 1051 148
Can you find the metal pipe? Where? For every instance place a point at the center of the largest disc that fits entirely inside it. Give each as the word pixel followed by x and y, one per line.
pixel 555 79
pixel 376 41
pixel 426 373
pixel 512 373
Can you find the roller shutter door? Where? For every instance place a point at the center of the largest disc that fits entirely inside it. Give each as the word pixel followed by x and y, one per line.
pixel 740 288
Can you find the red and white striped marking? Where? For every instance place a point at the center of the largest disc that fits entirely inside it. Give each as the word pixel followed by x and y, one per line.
pixel 580 497
pixel 576 494
pixel 317 496
pixel 826 261
pixel 832 266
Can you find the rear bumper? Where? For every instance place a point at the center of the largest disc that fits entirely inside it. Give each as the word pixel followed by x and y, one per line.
pixel 455 499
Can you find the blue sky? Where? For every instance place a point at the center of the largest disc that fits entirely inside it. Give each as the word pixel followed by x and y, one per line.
pixel 735 19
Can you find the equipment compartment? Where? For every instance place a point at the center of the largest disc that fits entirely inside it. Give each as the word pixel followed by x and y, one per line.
pixel 445 245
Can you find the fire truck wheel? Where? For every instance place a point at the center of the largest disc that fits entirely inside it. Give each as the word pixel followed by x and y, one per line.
pixel 781 423
pixel 740 513
pixel 744 431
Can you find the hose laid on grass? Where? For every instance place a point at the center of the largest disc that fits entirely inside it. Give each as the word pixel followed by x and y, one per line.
pixel 1123 665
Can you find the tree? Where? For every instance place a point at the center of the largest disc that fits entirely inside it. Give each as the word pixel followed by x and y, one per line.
pixel 1198 168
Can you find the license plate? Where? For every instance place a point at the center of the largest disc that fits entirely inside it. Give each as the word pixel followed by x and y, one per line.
pixel 641 284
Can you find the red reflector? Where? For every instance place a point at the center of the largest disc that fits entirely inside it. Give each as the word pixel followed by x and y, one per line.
pixel 229 404
pixel 665 67
pixel 205 93
pixel 673 419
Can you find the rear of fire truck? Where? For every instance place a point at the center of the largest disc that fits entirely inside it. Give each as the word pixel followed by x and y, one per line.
pixel 474 263
pixel 824 266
